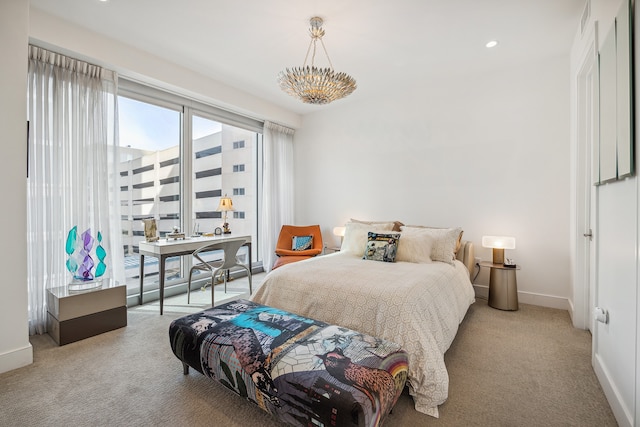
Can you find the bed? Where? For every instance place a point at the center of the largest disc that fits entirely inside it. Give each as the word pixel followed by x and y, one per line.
pixel 418 305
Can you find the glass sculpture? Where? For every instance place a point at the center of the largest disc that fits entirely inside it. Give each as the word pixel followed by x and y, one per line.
pixel 80 262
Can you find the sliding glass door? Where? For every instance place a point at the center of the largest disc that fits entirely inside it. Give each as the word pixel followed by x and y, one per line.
pixel 179 183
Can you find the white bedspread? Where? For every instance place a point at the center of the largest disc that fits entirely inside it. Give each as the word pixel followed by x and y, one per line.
pixel 418 306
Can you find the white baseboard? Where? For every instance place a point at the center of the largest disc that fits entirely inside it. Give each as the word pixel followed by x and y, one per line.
pixel 482 291
pixel 17 358
pixel 623 415
pixel 550 301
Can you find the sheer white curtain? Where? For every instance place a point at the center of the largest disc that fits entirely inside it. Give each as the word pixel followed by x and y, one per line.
pixel 72 170
pixel 277 191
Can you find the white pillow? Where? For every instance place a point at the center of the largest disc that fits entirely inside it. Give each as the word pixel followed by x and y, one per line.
pixel 415 246
pixel 396 224
pixel 355 236
pixel 445 241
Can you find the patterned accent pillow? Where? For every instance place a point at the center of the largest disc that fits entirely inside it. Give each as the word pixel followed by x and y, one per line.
pixel 301 243
pixel 381 247
pixel 445 241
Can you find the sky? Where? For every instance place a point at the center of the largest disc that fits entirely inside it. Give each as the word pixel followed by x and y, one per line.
pixel 150 127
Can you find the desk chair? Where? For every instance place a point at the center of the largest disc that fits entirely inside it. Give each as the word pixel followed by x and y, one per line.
pixel 229 260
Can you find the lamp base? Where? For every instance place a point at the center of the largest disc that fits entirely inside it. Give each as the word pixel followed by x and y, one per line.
pixel 498 256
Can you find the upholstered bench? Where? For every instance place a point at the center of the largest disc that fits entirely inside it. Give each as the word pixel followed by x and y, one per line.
pixel 303 371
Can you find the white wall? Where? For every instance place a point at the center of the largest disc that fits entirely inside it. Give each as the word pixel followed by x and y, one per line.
pixel 617 281
pixel 488 152
pixel 15 349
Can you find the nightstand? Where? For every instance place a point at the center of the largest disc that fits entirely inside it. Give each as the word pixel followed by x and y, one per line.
pixel 73 316
pixel 503 287
pixel 330 250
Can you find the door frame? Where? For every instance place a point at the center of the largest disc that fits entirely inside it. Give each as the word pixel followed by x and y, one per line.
pixel 586 174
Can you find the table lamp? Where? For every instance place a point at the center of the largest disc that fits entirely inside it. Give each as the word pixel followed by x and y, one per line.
pixel 498 244
pixel 226 205
pixel 339 231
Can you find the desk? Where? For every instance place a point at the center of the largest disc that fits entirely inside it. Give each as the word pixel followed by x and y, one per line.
pixel 163 249
pixel 503 287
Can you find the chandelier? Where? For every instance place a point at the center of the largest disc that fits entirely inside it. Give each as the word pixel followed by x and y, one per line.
pixel 315 85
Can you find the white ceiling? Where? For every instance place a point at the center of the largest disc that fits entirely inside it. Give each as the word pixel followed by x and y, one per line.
pixel 381 43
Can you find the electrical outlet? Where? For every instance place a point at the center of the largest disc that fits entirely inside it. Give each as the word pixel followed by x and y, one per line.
pixel 478 260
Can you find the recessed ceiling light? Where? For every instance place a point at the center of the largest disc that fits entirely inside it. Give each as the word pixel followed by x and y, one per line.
pixel 492 43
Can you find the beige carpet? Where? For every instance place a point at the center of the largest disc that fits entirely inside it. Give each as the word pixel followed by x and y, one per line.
pixel 523 368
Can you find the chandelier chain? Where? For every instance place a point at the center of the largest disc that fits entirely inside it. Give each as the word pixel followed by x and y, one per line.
pixel 326 53
pixel 307 55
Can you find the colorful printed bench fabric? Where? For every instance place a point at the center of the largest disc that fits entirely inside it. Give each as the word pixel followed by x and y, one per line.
pixel 303 371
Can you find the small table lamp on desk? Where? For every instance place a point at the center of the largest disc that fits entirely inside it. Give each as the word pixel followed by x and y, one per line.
pixel 503 287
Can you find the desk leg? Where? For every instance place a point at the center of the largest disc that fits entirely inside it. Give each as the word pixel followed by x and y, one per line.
pixel 161 284
pixel 141 275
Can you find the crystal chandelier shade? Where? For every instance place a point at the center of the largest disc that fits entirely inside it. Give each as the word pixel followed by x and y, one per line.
pixel 314 85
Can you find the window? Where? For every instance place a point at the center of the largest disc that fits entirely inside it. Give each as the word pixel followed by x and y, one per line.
pixel 208 194
pixel 142 169
pixel 208 172
pixel 176 161
pixel 209 152
pixel 169 180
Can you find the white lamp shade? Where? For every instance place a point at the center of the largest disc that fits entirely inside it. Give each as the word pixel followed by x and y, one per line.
pixel 226 204
pixel 338 231
pixel 499 242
